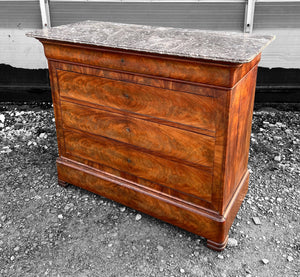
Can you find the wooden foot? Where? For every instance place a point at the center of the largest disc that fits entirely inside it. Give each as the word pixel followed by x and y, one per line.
pixel 62 183
pixel 217 246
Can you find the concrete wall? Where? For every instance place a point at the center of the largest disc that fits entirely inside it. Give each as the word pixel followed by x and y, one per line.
pixel 281 19
pixel 20 51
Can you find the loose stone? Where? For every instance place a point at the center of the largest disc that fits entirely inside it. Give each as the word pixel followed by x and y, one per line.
pixel 256 220
pixel 138 217
pixel 232 242
pixel 277 158
pixel 279 199
pixel 196 253
pixel 160 248
pixel 265 261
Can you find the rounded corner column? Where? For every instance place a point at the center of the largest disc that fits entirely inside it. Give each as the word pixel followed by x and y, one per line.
pixel 217 246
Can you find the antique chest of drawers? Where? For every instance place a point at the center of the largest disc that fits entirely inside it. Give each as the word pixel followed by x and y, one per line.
pixel 158 119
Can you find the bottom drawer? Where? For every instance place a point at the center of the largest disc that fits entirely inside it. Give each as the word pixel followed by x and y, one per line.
pixel 120 156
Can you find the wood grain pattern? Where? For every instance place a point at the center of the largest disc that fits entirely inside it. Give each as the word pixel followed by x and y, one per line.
pixel 239 130
pixel 130 61
pixel 195 70
pixel 147 184
pixel 172 143
pixel 173 193
pixel 165 135
pixel 56 108
pixel 141 79
pixel 125 158
pixel 184 215
pixel 169 105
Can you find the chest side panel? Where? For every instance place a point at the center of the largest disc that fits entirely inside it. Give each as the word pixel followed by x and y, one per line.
pixel 239 131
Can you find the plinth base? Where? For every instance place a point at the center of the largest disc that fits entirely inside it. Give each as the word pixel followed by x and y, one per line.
pixel 187 216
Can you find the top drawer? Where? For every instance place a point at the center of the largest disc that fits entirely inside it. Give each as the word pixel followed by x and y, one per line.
pixel 180 107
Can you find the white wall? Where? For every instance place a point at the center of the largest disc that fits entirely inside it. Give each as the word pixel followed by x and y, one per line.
pixel 281 18
pixel 284 51
pixel 20 51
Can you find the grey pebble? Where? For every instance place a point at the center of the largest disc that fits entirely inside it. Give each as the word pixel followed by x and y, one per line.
pixel 265 261
pixel 277 158
pixel 232 242
pixel 160 248
pixel 256 220
pixel 138 217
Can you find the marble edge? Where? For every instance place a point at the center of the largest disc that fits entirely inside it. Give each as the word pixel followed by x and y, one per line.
pixel 272 38
pixel 266 37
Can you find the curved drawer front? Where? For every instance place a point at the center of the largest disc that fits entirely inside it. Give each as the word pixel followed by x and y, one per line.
pixel 167 141
pixel 122 157
pixel 179 107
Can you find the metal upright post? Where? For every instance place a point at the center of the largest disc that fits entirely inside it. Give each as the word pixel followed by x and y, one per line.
pixel 45 13
pixel 249 16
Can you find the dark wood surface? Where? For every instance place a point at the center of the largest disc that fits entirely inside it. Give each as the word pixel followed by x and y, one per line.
pixel 170 105
pixel 178 144
pixel 167 136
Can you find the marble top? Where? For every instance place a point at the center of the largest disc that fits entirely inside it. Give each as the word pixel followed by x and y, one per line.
pixel 192 43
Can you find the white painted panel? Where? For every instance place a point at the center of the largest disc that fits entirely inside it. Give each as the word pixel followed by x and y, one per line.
pixel 208 16
pixel 20 51
pixel 20 14
pixel 284 51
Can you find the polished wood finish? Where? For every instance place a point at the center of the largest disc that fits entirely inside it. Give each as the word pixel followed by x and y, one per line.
pixel 165 135
pixel 178 144
pixel 62 183
pixel 170 105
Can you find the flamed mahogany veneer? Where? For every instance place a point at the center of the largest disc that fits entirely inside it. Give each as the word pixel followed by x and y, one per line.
pixel 158 119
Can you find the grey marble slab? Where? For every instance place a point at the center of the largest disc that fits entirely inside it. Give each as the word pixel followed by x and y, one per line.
pixel 217 46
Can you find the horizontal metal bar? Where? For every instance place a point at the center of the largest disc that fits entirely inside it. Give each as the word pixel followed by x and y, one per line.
pixel 277 1
pixel 157 1
pixel 182 1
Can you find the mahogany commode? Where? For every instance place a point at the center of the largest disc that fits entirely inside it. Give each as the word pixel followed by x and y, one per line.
pixel 158 119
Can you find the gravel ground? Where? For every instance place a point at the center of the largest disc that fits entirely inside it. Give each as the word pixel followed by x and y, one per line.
pixel 47 230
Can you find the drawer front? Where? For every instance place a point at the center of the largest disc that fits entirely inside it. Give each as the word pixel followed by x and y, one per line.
pixel 186 179
pixel 180 107
pixel 164 140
